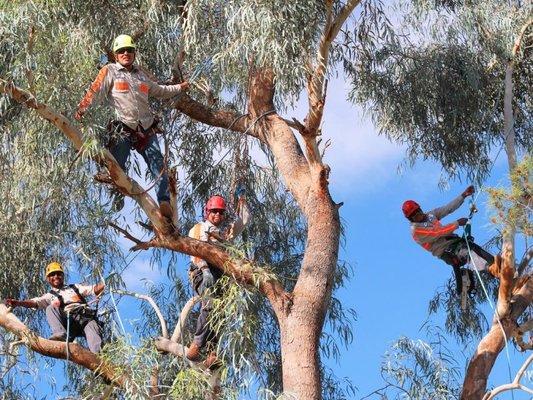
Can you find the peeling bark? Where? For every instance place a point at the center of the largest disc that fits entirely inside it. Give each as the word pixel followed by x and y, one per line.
pixel 479 367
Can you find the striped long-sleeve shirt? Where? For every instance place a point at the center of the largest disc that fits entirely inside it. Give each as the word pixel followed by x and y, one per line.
pixel 128 93
pixel 431 234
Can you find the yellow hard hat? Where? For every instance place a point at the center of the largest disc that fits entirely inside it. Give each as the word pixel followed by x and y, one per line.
pixel 122 41
pixel 54 266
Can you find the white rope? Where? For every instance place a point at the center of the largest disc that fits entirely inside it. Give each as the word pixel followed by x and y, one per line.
pixel 492 307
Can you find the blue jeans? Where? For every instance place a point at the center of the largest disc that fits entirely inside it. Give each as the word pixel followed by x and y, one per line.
pixel 152 156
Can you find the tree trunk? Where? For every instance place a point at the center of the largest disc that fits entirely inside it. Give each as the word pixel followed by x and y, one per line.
pixel 488 350
pixel 300 332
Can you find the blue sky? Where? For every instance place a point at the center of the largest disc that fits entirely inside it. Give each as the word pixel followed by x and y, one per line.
pixel 394 278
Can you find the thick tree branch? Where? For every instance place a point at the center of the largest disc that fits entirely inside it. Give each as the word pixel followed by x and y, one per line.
pixel 492 344
pixel 242 271
pixel 54 349
pixel 177 334
pixel 124 183
pixel 316 84
pixel 227 119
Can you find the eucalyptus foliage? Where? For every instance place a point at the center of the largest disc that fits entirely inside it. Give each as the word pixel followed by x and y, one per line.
pixel 437 83
pixel 52 208
pixel 414 369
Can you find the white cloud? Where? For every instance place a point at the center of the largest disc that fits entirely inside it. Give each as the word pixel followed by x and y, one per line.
pixel 356 152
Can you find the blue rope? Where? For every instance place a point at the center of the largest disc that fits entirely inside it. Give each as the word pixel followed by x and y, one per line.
pixel 115 305
pixel 68 335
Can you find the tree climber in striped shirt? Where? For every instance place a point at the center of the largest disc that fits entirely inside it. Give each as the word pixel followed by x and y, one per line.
pixel 443 243
pixel 127 88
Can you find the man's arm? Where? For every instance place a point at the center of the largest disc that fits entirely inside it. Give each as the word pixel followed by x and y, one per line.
pixel 244 216
pixel 21 303
pixel 166 92
pixel 99 86
pixel 443 211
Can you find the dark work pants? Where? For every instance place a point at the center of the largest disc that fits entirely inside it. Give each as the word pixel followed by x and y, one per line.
pixel 57 319
pixel 204 333
pixel 152 156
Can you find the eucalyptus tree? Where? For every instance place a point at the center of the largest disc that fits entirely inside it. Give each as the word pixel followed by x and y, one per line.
pixel 259 56
pixel 454 87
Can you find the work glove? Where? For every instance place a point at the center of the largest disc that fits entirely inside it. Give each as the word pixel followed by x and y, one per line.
pixel 207 278
pixel 11 303
pixel 462 221
pixel 469 191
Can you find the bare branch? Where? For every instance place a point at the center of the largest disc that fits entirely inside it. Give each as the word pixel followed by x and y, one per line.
pixel 316 84
pixel 140 245
pixel 183 317
pixel 514 385
pixel 164 331
pixel 518 40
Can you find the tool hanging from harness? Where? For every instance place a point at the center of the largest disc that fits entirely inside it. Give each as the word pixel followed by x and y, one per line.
pixel 139 137
pixel 84 313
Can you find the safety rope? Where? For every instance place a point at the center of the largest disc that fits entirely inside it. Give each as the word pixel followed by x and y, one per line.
pixel 114 305
pixel 465 236
pixel 68 335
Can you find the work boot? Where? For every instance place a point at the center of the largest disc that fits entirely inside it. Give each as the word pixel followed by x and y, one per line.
pixel 193 354
pixel 496 267
pixel 166 209
pixel 58 337
pixel 212 362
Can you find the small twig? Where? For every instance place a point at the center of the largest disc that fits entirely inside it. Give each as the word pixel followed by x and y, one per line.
pixel 139 244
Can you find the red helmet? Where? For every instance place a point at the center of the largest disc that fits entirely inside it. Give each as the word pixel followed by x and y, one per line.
pixel 409 207
pixel 215 203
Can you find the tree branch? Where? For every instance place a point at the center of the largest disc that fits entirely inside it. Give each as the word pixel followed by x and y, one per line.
pixel 105 158
pixel 316 84
pixel 54 349
pixel 183 317
pixel 243 271
pixel 227 119
pixel 479 367
pixel 513 385
pixel 139 244
pixel 164 330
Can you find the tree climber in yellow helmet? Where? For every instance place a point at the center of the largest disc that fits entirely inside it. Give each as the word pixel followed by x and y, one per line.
pixel 127 89
pixel 67 301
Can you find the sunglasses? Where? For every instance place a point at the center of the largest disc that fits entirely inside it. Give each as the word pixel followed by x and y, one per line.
pixel 217 211
pixel 125 50
pixel 55 273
